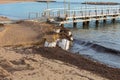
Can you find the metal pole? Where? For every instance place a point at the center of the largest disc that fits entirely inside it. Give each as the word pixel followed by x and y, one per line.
pixel 64 4
pixel 69 5
pixel 85 4
pixel 85 8
pixel 47 4
pixel 64 7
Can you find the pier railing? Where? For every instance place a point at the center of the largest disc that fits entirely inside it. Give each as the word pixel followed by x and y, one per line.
pixel 82 12
pixel 79 14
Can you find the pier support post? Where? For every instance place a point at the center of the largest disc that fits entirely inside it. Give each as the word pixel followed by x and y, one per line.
pixel 88 23
pixel 104 20
pixel 74 23
pixel 97 22
pixel 113 20
pixel 85 24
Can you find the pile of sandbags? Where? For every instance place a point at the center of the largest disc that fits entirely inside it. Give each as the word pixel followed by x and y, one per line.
pixel 60 37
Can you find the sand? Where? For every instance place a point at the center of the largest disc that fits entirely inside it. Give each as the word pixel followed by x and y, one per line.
pixel 14 1
pixel 21 66
pixel 2 18
pixel 25 33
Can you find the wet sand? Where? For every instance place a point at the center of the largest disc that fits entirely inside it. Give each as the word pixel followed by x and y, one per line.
pixel 80 62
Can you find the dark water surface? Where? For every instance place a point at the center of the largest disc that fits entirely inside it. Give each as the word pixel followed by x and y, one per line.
pixel 101 43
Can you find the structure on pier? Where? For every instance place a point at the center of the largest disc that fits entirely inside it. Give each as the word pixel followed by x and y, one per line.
pixel 82 14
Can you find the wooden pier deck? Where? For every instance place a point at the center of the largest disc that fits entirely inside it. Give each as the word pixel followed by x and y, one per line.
pixel 82 14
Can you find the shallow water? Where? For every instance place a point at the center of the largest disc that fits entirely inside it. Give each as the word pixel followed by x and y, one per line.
pixel 101 43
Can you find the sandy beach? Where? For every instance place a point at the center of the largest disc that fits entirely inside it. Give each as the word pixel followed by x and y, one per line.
pixel 24 66
pixel 14 1
pixel 14 34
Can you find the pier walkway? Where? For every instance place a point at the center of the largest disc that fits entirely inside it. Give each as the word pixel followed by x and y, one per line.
pixel 82 14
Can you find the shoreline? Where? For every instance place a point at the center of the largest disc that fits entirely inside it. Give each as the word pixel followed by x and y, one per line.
pixel 81 62
pixel 72 60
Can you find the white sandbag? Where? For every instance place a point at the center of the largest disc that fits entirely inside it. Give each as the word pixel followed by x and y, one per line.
pixel 57 30
pixel 50 44
pixel 69 33
pixel 46 44
pixel 64 44
pixel 51 20
pixel 71 38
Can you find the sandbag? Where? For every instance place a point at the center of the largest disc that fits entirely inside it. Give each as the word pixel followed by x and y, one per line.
pixel 64 44
pixel 50 44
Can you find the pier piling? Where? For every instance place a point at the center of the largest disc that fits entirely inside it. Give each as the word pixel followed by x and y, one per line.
pixel 74 23
pixel 85 23
pixel 113 20
pixel 97 22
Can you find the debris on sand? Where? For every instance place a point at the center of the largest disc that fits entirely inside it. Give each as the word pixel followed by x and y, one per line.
pixel 35 66
pixel 60 37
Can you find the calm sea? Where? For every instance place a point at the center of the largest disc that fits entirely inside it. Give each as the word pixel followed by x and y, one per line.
pixel 101 43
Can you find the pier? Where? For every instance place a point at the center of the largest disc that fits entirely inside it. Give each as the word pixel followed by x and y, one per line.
pixel 101 3
pixel 83 14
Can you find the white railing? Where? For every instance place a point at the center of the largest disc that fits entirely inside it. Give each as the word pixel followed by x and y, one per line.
pixel 82 12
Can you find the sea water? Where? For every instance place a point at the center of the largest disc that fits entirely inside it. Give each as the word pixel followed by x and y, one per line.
pixel 100 43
